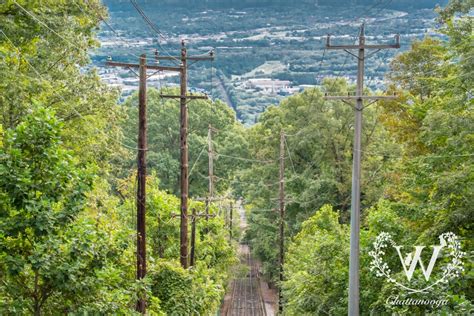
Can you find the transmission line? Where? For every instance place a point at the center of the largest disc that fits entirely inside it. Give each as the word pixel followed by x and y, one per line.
pixel 100 18
pixel 154 29
pixel 61 97
pixel 46 26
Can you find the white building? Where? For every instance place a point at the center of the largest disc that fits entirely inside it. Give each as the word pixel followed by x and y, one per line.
pixel 268 85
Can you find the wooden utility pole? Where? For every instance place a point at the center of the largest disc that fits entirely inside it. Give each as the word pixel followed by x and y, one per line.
pixel 141 190
pixel 282 219
pixel 194 218
pixel 210 169
pixel 183 137
pixel 141 164
pixel 184 156
pixel 193 238
pixel 353 307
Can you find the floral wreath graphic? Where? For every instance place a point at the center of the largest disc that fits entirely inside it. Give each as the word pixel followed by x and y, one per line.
pixel 450 271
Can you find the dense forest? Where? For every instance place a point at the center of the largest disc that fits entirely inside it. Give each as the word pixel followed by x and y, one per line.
pixel 68 178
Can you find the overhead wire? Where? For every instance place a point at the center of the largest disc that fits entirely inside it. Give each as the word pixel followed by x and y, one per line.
pixel 312 96
pixel 103 20
pixel 212 82
pixel 313 93
pixel 61 97
pixel 289 154
pixel 382 60
pixel 34 17
pixel 244 159
pixel 319 70
pixel 197 159
pixel 241 158
pixel 155 30
pixel 367 13
pixel 147 20
pixel 159 33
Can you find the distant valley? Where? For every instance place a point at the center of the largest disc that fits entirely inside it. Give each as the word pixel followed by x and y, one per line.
pixel 264 50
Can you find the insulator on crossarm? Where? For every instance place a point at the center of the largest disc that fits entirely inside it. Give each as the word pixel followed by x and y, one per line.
pixel 157 54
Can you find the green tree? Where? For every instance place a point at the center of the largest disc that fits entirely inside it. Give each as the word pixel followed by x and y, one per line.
pixel 42 191
pixel 318 162
pixel 194 291
pixel 428 182
pixel 416 70
pixel 44 53
pixel 62 246
pixel 163 140
pixel 435 172
pixel 316 260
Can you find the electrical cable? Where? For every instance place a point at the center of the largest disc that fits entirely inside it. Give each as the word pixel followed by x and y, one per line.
pixel 244 159
pixel 289 154
pixel 47 26
pixel 100 18
pixel 62 98
pixel 197 159
pixel 154 29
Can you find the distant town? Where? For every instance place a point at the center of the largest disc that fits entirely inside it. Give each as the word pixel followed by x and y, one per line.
pixel 261 55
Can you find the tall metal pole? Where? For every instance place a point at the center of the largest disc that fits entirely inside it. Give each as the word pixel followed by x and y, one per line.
pixel 184 161
pixel 210 170
pixel 355 197
pixel 353 304
pixel 282 219
pixel 141 189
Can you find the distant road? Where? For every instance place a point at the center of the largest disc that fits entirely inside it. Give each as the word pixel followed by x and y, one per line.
pixel 225 94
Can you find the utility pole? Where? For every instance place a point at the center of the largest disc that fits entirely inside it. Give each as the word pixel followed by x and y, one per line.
pixel 353 307
pixel 231 211
pixel 194 218
pixel 183 136
pixel 141 190
pixel 207 200
pixel 193 238
pixel 282 219
pixel 184 153
pixel 141 164
pixel 210 169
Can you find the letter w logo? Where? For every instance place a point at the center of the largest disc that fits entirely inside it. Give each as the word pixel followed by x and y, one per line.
pixel 409 263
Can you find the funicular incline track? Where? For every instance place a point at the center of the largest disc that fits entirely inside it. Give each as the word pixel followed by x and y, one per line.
pixel 246 295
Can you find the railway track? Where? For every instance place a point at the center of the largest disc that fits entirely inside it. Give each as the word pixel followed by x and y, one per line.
pixel 246 297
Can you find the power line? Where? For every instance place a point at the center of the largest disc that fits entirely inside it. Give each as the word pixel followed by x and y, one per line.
pixel 289 154
pixel 147 20
pixel 61 97
pixel 382 60
pixel 100 18
pixel 383 7
pixel 367 13
pixel 245 159
pixel 197 159
pixel 154 28
pixel 318 71
pixel 46 26
pixel 354 262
